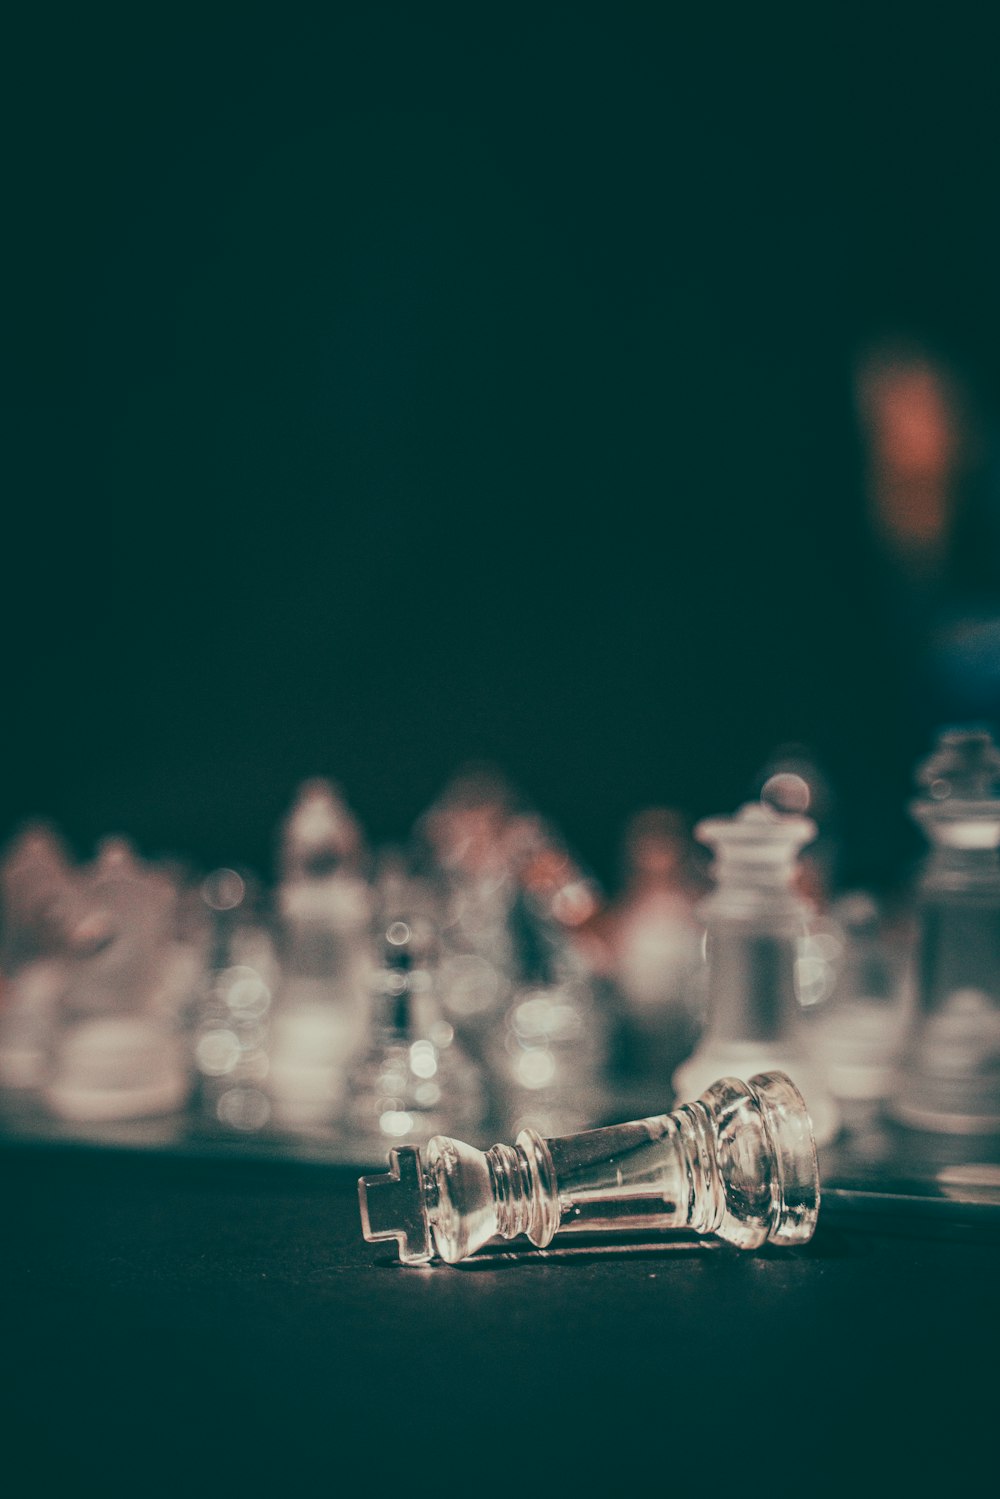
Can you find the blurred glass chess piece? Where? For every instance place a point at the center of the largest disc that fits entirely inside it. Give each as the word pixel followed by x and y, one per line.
pixel 414 1078
pixel 37 886
pixel 320 1019
pixel 858 1031
pixel 650 945
pixel 949 1078
pixel 118 1052
pixel 36 880
pixel 792 782
pixel 755 923
pixel 320 836
pixel 739 1163
pixel 547 1056
pixel 232 1012
pixel 464 835
pixel 546 870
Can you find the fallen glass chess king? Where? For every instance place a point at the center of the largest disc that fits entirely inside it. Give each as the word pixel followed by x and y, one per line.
pixel 739 1163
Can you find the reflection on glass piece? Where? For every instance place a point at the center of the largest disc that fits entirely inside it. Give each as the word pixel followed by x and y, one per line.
pixel 738 1163
pixel 787 792
pixel 243 1108
pixel 223 890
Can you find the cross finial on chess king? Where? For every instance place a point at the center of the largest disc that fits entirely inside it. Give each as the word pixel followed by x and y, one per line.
pixel 393 1206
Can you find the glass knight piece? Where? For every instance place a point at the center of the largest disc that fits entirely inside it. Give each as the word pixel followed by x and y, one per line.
pixel 118 1052
pixel 37 889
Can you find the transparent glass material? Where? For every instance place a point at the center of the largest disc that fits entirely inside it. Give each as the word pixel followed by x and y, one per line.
pixel 755 928
pixel 413 1078
pixel 37 889
pixel 117 1051
pixel 231 1014
pixel 547 1056
pixel 949 1078
pixel 858 1030
pixel 738 1163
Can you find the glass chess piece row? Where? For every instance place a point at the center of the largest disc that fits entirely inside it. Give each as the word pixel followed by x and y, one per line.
pixel 130 990
pixel 739 1163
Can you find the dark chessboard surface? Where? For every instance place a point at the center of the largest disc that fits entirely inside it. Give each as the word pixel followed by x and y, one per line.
pixel 205 1325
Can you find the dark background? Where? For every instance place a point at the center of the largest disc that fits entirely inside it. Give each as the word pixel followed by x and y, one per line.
pixel 404 384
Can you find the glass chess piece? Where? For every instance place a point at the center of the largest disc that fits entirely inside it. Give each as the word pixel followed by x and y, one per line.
pixel 755 925
pixel 320 835
pixel 547 1056
pixel 649 942
pixel 37 886
pixel 463 837
pixel 949 1076
pixel 231 1014
pixel 320 1018
pixel 793 782
pixel 117 1051
pixel 739 1163
pixel 857 1032
pixel 36 880
pixel 414 1078
pixel 557 887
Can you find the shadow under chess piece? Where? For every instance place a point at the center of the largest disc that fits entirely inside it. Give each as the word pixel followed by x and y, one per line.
pixel 739 1163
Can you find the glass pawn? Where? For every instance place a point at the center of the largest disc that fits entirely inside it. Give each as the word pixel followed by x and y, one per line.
pixel 755 925
pixel 739 1163
pixel 949 1077
pixel 320 1018
pixel 413 1079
